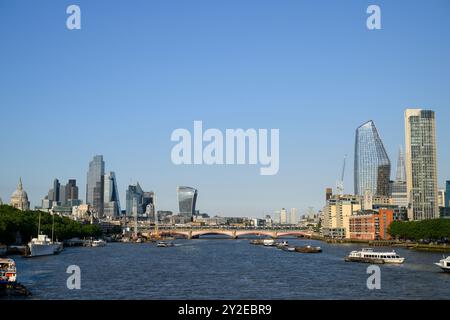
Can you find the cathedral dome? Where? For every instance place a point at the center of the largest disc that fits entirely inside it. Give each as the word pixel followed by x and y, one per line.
pixel 19 198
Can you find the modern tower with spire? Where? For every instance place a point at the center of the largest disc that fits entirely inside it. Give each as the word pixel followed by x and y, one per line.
pixel 399 190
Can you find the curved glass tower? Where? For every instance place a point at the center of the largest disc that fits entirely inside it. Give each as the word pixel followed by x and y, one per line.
pixel 372 164
pixel 187 197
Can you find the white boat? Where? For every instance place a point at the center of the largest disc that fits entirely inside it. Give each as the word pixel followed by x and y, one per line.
pixel 98 243
pixel 370 256
pixel 269 242
pixel 8 273
pixel 43 246
pixel 283 244
pixel 444 264
pixel 164 244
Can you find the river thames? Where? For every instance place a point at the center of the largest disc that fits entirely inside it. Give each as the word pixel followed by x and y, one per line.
pixel 218 269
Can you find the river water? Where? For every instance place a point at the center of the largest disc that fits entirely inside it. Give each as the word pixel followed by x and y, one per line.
pixel 228 269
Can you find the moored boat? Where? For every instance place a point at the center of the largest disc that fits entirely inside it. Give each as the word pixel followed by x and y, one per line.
pixel 98 243
pixel 289 249
pixel 257 242
pixel 308 249
pixel 370 256
pixel 269 243
pixel 444 264
pixel 164 244
pixel 43 246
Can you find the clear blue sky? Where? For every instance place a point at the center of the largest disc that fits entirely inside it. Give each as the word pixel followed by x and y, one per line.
pixel 137 70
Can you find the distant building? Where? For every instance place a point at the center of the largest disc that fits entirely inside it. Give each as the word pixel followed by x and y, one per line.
pixel 95 184
pixel 111 207
pixel 187 198
pixel 399 188
pixel 337 213
pixel 277 217
pixel 372 225
pixel 54 192
pixel 283 217
pixel 441 198
pixel 293 219
pixel 372 164
pixel 421 164
pixel 328 193
pixel 19 199
pixel 134 198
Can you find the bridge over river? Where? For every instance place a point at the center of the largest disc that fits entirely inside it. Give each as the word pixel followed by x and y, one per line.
pixel 192 233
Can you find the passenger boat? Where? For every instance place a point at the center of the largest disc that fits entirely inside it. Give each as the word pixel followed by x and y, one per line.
pixel 98 243
pixel 308 249
pixel 444 264
pixel 164 244
pixel 370 256
pixel 8 273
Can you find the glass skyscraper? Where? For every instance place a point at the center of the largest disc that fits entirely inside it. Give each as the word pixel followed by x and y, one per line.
pixel 95 184
pixel 187 198
pixel 421 164
pixel 134 199
pixel 111 196
pixel 372 164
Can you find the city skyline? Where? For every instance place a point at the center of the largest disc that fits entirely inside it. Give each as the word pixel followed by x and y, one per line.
pixel 315 74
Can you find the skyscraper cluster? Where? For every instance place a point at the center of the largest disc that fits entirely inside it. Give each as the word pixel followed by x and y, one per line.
pixel 416 185
pixel 62 195
pixel 413 194
pixel 102 193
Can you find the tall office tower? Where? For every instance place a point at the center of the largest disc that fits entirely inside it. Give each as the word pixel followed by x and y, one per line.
pixel 277 217
pixel 421 164
pixel 147 200
pixel 53 194
pixel 71 192
pixel 95 184
pixel 283 216
pixel 399 190
pixel 111 206
pixel 372 164
pixel 293 219
pixel 62 195
pixel 447 194
pixel 134 198
pixel 328 194
pixel 187 198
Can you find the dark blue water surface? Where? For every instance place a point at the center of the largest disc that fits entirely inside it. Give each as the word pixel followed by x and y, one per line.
pixel 228 269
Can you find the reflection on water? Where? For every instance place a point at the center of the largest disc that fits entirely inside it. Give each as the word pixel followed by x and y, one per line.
pixel 228 269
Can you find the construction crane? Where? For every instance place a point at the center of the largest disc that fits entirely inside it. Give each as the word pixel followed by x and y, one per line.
pixel 340 183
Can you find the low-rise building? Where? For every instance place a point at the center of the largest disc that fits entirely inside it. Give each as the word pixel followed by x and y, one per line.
pixel 373 224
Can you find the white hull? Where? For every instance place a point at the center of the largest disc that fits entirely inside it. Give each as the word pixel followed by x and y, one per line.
pixel 37 250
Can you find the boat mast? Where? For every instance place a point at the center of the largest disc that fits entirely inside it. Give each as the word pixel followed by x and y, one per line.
pixel 53 226
pixel 39 224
